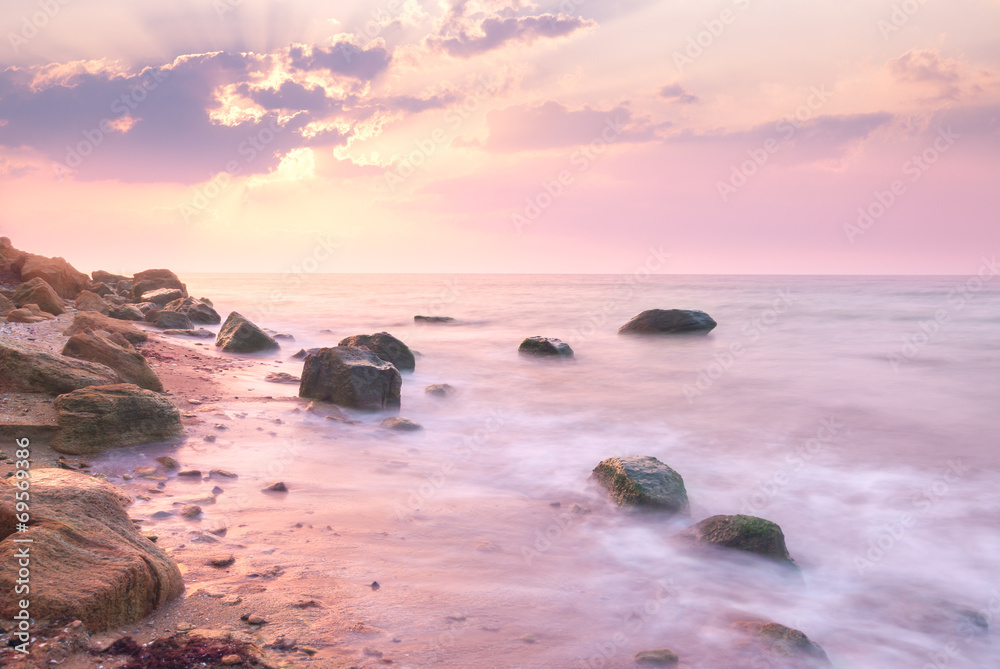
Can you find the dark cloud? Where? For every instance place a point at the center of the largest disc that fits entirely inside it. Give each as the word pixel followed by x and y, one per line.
pixel 342 58
pixel 551 125
pixel 677 93
pixel 291 96
pixel 494 32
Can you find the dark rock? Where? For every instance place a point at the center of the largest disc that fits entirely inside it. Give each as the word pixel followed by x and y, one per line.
pixel 91 320
pixel 238 335
pixel 32 369
pixel 162 296
pixel 545 346
pixel 434 319
pixel 146 307
pixel 669 321
pixel 660 657
pixel 744 533
pixel 277 486
pixel 440 389
pixel 281 377
pixel 401 424
pixel 385 346
pixel 644 482
pixel 172 320
pixel 302 353
pixel 126 312
pixel 100 276
pixel 131 366
pixel 96 418
pixel 351 376
pixel 784 642
pixel 196 310
pixel 37 291
pixel 101 289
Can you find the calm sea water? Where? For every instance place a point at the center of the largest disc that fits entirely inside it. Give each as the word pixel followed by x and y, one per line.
pixel 859 413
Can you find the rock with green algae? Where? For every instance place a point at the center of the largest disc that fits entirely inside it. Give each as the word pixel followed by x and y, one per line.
pixel 744 533
pixel 643 482
pixel 784 642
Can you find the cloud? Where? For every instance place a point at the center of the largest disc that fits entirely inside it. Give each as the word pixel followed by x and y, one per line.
pixel 677 93
pixel 342 58
pixel 494 32
pixel 289 96
pixel 949 78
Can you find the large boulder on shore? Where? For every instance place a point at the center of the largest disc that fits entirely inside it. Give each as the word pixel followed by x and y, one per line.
pixel 88 301
pixel 91 320
pixel 743 533
pixel 788 645
pixel 32 369
pixel 29 313
pixel 165 320
pixel 545 347
pixel 351 376
pixel 669 321
pixel 196 310
pixel 88 560
pixel 385 346
pixel 155 279
pixel 643 482
pixel 63 277
pixel 97 418
pixel 131 366
pixel 238 335
pixel 37 291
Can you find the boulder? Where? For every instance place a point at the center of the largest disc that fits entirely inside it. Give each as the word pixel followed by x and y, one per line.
pixel 434 319
pixel 196 310
pixel 37 291
pixel 88 560
pixel 91 320
pixel 6 306
pixel 126 312
pixel 155 279
pixel 440 389
pixel 88 301
pixel 131 366
pixel 743 533
pixel 401 424
pixel 29 313
pixel 112 416
pixel 784 642
pixel 100 276
pixel 10 262
pixel 164 319
pixel 385 346
pixel 162 296
pixel 669 321
pixel 63 277
pixel 643 482
pixel 238 335
pixel 302 353
pixel 545 346
pixel 351 376
pixel 101 289
pixel 201 333
pixel 33 369
pixel 146 307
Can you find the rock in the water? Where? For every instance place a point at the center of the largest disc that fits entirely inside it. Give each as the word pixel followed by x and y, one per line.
pixel 32 369
pixel 277 486
pixel 29 313
pixel 302 353
pixel 131 366
pixel 91 320
pixel 784 641
pixel 281 377
pixel 238 335
pixel 434 319
pixel 351 376
pixel 162 296
pixel 6 306
pixel 126 312
pixel 401 424
pixel 669 321
pixel 196 310
pixel 63 277
pixel 155 279
pixel 660 657
pixel 199 332
pixel 545 346
pixel 88 560
pixel 100 417
pixel 440 389
pixel 643 482
pixel 386 347
pixel 88 301
pixel 744 533
pixel 37 291
pixel 168 320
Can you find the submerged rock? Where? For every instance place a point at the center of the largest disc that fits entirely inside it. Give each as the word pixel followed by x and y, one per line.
pixel 37 291
pixel 744 533
pixel 545 346
pixel 643 482
pixel 784 642
pixel 88 560
pixel 440 389
pixel 386 347
pixel 131 366
pixel 401 424
pixel 238 335
pixel 660 657
pixel 96 418
pixel 669 321
pixel 91 320
pixel 351 376
pixel 32 369
pixel 88 301
pixel 434 319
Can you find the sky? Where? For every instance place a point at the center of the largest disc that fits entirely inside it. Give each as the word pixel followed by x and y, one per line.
pixel 731 137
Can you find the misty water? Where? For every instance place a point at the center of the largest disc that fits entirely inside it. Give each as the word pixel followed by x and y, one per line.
pixel 860 414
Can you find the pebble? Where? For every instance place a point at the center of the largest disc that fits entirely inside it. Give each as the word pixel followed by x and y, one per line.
pixel 190 472
pixel 168 462
pixel 255 620
pixel 308 650
pixel 184 627
pixel 277 486
pixel 232 600
pixel 661 657
pixel 223 473
pixel 191 511
pixel 528 638
pixel 222 560
pixel 144 471
pixel 231 660
pixel 209 437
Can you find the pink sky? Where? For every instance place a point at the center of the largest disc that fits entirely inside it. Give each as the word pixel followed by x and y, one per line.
pixel 503 136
